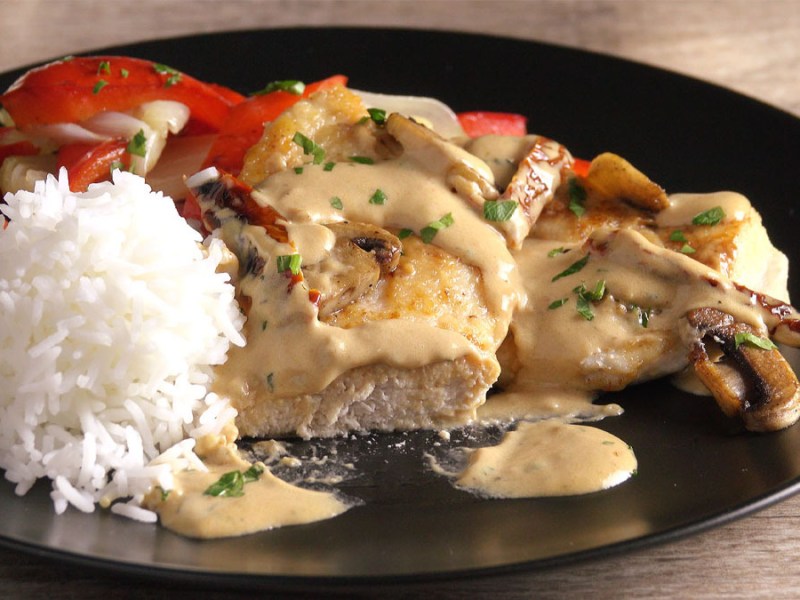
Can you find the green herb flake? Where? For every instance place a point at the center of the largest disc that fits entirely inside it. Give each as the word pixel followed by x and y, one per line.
pixel 599 290
pixel 677 236
pixel 404 233
pixel 138 144
pixel 298 170
pixel 173 75
pixel 336 203
pixel 291 86
pixel 556 251
pixel 499 210
pixel 124 73
pixel 329 166
pixel 379 197
pixel 710 217
pixel 254 473
pixel 751 339
pixel 429 231
pixel 362 160
pixel 577 197
pixel 584 308
pixel 289 262
pixel 557 303
pixel 116 165
pixel 164 493
pixel 99 86
pixel 230 485
pixel 104 67
pixel 378 115
pixel 573 268
pixel 309 147
pixel 687 249
pixel 586 297
pixel 264 325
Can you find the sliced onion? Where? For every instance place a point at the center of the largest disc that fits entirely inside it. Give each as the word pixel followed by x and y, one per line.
pixel 431 112
pixel 22 172
pixel 181 157
pixel 164 115
pixel 60 134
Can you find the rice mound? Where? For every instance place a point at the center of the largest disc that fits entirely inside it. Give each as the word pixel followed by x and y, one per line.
pixel 111 316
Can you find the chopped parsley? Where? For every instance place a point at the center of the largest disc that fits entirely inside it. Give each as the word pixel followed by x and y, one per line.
pixel 362 160
pixel 378 115
pixel 292 86
pixel 173 75
pixel 677 236
pixel 404 233
pixel 309 147
pixel 231 484
pixel 138 144
pixel 289 262
pixel 124 73
pixel 99 86
pixel 557 303
pixel 298 170
pixel 116 165
pixel 586 297
pixel 329 166
pixel 710 217
pixel 573 268
pixel 104 67
pixel 429 231
pixel 254 473
pixel 499 210
pixel 379 197
pixel 336 203
pixel 557 251
pixel 577 197
pixel 750 339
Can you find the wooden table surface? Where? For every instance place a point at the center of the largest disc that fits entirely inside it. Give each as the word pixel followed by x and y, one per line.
pixel 750 46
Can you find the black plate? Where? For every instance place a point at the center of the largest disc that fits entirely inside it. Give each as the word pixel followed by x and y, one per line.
pixel 695 468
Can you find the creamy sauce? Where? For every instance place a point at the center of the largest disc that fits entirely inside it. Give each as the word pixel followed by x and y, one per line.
pixel 685 207
pixel 548 458
pixel 263 504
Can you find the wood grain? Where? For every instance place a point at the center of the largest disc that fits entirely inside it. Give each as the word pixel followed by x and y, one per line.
pixel 749 46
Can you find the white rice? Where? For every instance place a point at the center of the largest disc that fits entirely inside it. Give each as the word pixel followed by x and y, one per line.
pixel 111 316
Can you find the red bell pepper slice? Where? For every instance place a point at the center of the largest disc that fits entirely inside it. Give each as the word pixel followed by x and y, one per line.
pixel 86 163
pixel 581 167
pixel 73 90
pixel 477 123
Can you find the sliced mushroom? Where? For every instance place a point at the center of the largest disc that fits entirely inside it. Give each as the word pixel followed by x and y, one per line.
pixel 361 255
pixel 749 382
pixel 614 178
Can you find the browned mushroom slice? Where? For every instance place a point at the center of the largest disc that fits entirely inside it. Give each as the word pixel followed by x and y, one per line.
pixel 612 177
pixel 361 255
pixel 752 382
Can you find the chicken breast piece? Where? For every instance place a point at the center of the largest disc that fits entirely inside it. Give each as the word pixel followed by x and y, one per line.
pixel 618 196
pixel 376 296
